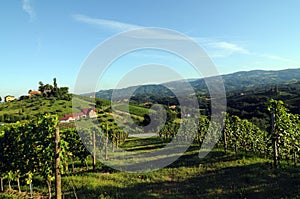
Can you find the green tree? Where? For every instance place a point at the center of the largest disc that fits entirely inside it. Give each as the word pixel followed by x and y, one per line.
pixel 56 89
pixel 41 87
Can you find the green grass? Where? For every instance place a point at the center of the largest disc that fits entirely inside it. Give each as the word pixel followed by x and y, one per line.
pixel 218 175
pixel 26 109
pixel 35 106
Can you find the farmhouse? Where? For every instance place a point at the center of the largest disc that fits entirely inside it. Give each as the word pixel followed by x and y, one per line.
pixel 89 112
pixel 84 114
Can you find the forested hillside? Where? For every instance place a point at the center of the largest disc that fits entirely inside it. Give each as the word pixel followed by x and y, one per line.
pixel 240 81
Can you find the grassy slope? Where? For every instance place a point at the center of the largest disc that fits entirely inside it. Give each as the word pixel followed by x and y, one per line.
pixel 40 106
pixel 36 106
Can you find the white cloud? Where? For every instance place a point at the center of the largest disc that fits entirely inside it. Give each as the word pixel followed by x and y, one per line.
pixel 220 49
pixel 117 26
pixel 277 58
pixel 225 49
pixel 26 6
pixel 215 48
pixel 108 24
pixel 162 34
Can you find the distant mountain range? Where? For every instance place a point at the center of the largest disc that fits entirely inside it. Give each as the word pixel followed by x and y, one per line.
pixel 239 81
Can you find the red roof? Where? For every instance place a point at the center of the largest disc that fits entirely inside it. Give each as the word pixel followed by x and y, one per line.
pixel 87 110
pixel 35 92
pixel 71 115
pixel 63 118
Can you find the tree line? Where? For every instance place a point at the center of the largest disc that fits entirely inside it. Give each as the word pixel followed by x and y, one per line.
pixel 48 90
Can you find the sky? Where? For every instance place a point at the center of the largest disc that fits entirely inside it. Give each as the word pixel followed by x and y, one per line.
pixel 41 40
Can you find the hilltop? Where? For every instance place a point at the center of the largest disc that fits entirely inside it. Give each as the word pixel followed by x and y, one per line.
pixel 239 81
pixel 58 101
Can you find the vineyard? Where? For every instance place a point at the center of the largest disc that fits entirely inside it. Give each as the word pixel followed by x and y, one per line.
pixel 29 149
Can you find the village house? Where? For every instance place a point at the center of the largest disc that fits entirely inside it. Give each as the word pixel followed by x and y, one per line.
pixel 89 112
pixel 34 92
pixel 9 98
pixel 84 114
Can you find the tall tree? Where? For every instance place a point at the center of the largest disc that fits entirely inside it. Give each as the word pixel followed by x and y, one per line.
pixel 56 92
pixel 41 87
pixel 55 83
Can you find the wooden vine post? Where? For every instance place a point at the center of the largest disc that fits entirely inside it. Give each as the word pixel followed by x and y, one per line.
pixel 225 140
pixel 106 143
pixel 94 150
pixel 274 138
pixel 57 165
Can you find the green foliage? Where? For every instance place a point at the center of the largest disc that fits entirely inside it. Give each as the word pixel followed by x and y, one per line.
pixel 245 136
pixel 75 147
pixel 286 130
pixel 27 149
pixel 49 90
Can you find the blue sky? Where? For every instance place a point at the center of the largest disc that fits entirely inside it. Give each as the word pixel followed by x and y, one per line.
pixel 45 39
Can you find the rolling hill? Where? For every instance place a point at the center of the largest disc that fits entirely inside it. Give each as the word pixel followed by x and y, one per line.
pixel 240 81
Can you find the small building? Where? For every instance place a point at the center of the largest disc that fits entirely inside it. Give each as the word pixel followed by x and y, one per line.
pixel 35 93
pixel 90 112
pixel 9 98
pixel 71 117
pixel 84 114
